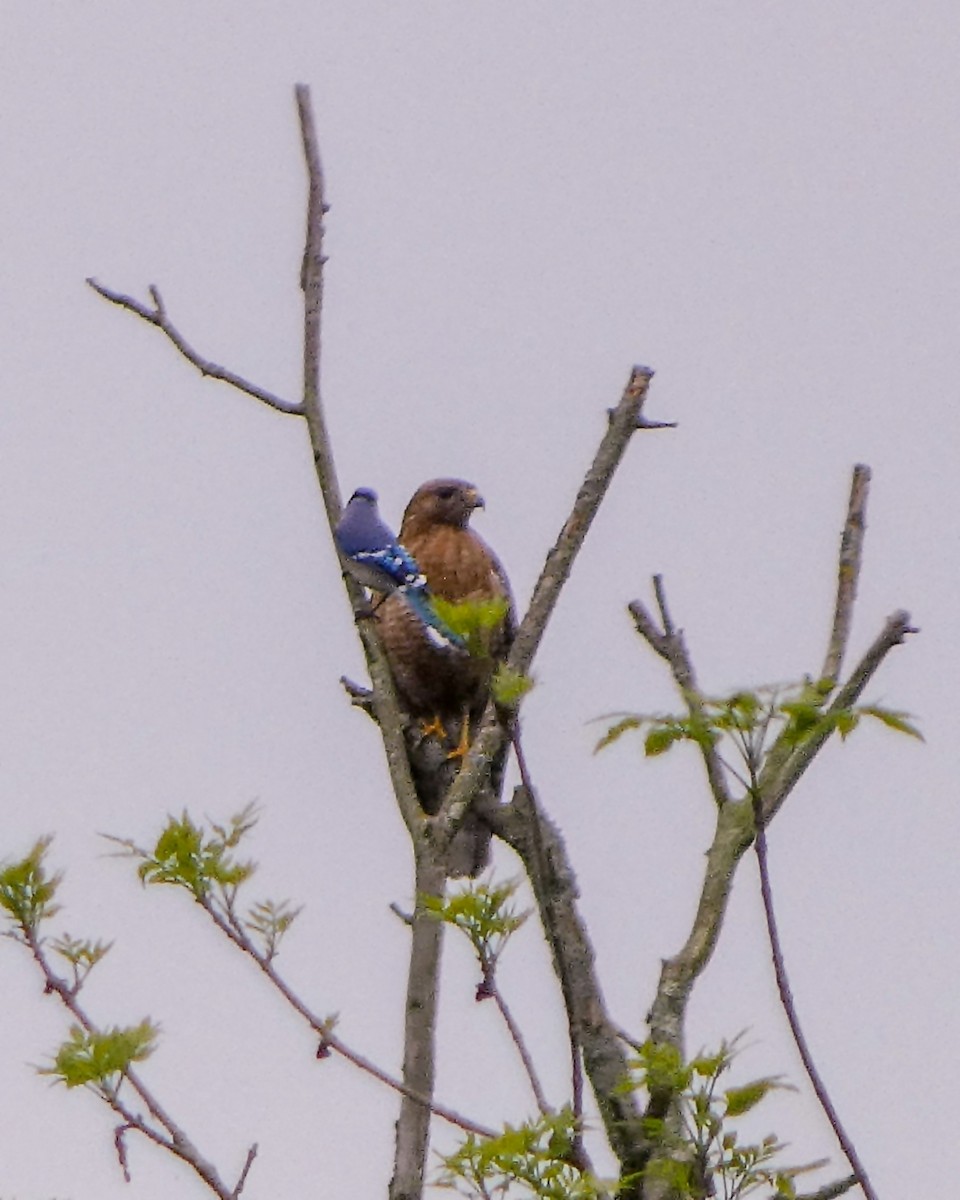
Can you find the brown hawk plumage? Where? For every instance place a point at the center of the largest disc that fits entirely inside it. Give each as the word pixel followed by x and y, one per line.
pixel 445 692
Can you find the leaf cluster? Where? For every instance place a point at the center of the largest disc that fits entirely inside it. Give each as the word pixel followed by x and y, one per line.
pixel 187 856
pixel 703 1155
pixel 27 890
pixel 750 720
pixel 82 954
pixel 101 1059
pixel 533 1159
pixel 204 862
pixel 484 913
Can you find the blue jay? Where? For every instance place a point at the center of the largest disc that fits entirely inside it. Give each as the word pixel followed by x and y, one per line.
pixel 377 560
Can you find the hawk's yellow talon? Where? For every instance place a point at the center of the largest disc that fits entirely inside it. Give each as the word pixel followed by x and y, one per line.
pixel 461 748
pixel 434 728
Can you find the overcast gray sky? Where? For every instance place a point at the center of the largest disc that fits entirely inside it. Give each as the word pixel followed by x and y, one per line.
pixel 758 199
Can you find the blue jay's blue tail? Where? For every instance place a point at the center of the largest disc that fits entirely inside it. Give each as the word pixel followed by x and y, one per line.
pixel 436 629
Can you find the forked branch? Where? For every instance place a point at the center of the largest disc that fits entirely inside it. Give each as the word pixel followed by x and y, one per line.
pixel 739 821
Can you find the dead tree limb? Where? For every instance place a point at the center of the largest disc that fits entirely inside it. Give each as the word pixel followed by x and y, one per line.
pixel 623 422
pixel 848 571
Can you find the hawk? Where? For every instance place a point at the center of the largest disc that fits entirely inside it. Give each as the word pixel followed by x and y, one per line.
pixel 442 687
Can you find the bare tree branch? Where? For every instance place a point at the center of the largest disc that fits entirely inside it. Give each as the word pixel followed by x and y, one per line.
pixel 784 764
pixel 158 316
pixel 624 421
pixel 539 844
pixel 786 999
pixel 732 835
pixel 311 282
pixel 848 571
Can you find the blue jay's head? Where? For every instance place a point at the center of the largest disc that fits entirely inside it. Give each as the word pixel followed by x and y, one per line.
pixel 365 495
pixel 360 527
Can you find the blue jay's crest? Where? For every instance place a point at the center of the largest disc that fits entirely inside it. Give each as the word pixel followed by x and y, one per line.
pixel 378 561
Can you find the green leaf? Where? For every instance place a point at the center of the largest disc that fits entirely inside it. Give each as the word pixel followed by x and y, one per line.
pixel 631 721
pixel 533 1157
pixel 900 721
pixel 711 1065
pixel 803 719
pixel 745 707
pixel 845 721
pixel 742 1099
pixel 660 739
pixel 509 687
pixel 662 1067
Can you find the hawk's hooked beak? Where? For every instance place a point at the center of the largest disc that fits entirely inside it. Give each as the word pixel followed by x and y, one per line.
pixel 474 499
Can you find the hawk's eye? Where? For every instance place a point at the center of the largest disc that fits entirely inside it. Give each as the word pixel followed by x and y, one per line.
pixel 445 493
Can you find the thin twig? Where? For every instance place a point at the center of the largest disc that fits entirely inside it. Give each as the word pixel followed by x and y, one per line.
pixel 560 560
pixel 158 316
pixel 241 1182
pixel 786 999
pixel 848 571
pixel 450 1115
pixel 489 988
pixel 120 1145
pixel 668 642
pixel 232 927
pixel 628 1039
pixel 405 917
